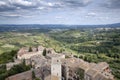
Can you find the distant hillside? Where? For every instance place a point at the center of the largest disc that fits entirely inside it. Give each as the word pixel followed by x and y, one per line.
pixel 16 27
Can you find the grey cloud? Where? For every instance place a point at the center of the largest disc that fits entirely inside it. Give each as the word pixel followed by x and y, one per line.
pixel 112 4
pixel 76 3
pixel 4 6
pixel 30 5
pixel 7 8
pixel 22 4
pixel 9 5
pixel 12 5
pixel 91 14
pixel 11 15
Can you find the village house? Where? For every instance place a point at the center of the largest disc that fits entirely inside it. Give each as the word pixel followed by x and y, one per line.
pixel 56 73
pixel 39 61
pixel 100 71
pixel 24 53
pixel 50 51
pixel 74 69
pixel 70 67
pixel 56 66
pixel 57 55
pixel 11 64
pixel 21 76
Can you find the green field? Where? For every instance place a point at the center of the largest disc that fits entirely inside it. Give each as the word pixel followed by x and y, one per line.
pixel 92 45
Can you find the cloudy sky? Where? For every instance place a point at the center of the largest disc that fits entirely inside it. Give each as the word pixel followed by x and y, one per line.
pixel 59 11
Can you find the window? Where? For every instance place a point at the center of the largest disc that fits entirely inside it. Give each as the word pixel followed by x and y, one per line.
pixel 57 60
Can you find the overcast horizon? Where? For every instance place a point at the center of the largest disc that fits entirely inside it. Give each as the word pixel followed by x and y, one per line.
pixel 69 12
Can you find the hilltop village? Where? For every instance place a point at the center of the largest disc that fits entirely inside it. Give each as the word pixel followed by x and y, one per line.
pixel 49 65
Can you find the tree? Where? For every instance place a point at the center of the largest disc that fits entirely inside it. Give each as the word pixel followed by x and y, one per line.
pixel 36 48
pixel 7 56
pixel 18 69
pixel 30 49
pixel 37 79
pixel 44 52
pixel 80 73
pixel 33 75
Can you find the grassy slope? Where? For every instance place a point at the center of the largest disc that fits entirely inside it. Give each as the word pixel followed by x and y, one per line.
pixel 65 40
pixel 80 41
pixel 13 40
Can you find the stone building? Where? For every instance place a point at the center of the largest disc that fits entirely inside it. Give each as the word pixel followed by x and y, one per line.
pixel 56 69
pixel 56 66
pixel 100 71
pixel 57 55
pixel 24 53
pixel 77 69
pixel 11 64
pixel 71 69
pixel 21 76
pixel 39 61
pixel 50 51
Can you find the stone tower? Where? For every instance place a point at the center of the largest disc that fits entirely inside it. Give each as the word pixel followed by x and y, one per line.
pixel 56 69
